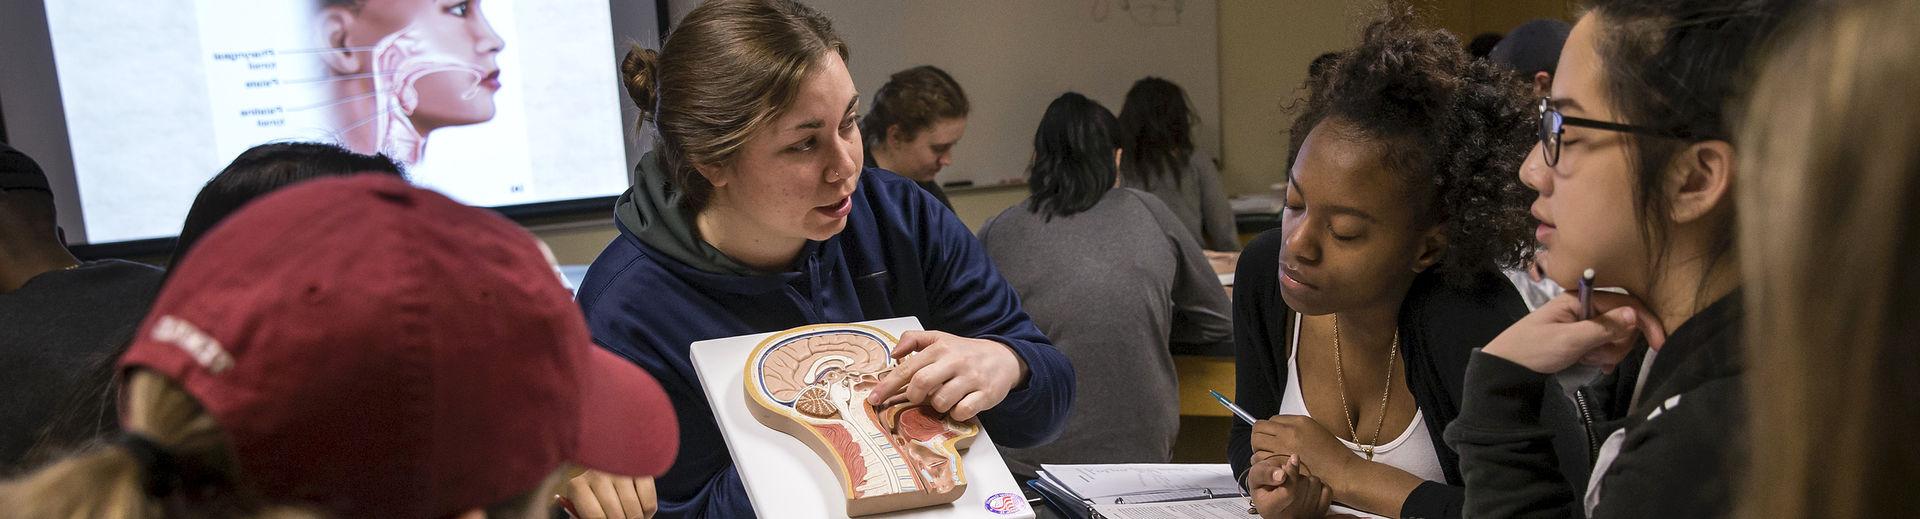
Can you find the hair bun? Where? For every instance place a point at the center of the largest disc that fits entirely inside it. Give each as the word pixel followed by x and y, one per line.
pixel 639 71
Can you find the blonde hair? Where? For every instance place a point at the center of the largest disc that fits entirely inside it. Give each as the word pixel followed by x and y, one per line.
pixel 1833 137
pixel 728 70
pixel 107 481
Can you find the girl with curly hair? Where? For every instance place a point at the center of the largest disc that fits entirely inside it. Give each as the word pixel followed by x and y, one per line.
pixel 1355 320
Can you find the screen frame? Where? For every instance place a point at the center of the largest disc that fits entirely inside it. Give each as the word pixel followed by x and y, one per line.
pixel 35 119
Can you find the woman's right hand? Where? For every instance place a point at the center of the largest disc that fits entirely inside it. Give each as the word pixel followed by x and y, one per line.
pixel 1287 490
pixel 599 495
pixel 1554 337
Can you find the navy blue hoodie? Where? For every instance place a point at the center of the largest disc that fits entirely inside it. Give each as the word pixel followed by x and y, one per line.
pixel 657 289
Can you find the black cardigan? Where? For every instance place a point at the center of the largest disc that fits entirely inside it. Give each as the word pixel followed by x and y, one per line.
pixel 1440 326
pixel 1678 456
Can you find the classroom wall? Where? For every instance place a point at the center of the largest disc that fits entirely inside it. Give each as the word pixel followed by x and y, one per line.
pixel 1265 47
pixel 1471 17
pixel 1264 51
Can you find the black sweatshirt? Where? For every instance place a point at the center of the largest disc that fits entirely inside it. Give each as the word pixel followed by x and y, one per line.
pixel 1678 446
pixel 1440 325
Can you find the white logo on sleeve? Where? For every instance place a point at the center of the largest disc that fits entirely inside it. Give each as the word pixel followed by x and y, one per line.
pixel 1610 450
pixel 203 348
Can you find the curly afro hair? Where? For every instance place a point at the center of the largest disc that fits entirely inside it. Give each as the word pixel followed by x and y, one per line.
pixel 1456 127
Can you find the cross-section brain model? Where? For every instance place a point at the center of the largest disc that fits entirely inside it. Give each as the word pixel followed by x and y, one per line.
pixel 812 383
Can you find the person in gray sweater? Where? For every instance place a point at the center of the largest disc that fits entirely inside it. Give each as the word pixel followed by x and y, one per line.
pixel 1156 130
pixel 1114 278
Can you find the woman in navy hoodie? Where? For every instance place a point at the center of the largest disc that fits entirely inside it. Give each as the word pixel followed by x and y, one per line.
pixel 754 215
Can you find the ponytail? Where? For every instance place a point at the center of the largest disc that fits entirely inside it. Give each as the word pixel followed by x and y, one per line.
pixel 171 461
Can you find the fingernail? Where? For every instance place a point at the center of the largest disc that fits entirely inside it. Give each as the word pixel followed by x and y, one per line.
pixel 1629 315
pixel 1280 476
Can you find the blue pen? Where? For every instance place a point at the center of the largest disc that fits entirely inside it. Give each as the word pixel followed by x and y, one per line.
pixel 1237 411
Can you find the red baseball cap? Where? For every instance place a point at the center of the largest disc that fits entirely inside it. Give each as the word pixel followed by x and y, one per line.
pixel 375 349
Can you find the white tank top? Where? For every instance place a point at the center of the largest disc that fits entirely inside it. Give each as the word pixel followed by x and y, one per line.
pixel 1412 451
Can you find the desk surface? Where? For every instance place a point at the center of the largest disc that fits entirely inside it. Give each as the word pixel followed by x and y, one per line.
pixel 1198 374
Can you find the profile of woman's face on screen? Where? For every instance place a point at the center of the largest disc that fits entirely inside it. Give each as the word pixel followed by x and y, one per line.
pixel 427 63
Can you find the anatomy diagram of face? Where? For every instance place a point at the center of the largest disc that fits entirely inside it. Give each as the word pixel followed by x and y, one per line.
pixel 812 383
pixel 404 68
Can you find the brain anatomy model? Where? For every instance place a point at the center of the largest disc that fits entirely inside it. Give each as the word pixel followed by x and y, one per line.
pixel 812 383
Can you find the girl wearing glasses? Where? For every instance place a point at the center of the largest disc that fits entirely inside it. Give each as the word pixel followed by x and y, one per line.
pixel 1635 169
pixel 1353 322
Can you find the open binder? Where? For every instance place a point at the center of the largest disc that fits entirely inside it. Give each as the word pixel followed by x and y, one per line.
pixel 1120 491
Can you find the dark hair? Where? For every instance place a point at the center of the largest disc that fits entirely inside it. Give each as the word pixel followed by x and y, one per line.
pixel 912 100
pixel 1482 45
pixel 1306 113
pixel 1072 156
pixel 1678 66
pixel 1457 128
pixel 1156 130
pixel 264 169
pixel 729 69
pixel 1322 63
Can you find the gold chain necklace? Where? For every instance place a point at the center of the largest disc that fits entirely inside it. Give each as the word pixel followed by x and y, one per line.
pixel 1340 375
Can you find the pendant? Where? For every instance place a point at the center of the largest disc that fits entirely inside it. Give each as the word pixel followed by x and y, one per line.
pixel 1368 450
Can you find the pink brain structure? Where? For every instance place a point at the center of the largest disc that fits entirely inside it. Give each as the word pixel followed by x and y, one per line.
pixel 812 383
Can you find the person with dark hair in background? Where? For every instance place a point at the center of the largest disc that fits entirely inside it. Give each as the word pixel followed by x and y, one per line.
pixel 917 118
pixel 1078 239
pixel 1156 130
pixel 59 318
pixel 1635 167
pixel 263 169
pixel 1532 50
pixel 1353 322
pixel 754 215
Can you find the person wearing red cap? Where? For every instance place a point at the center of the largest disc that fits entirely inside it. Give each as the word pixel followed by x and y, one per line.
pixel 357 347
pixel 754 215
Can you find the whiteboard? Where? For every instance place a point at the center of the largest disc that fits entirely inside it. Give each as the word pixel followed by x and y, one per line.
pixel 1014 57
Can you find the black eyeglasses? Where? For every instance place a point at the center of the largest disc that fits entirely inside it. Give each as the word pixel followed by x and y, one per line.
pixel 1553 125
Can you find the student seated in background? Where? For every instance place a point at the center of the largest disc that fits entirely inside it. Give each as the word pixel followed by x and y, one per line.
pixel 1156 130
pixel 1531 51
pixel 1635 168
pixel 755 216
pixel 264 169
pixel 1834 155
pixel 1353 322
pixel 358 347
pixel 60 320
pixel 917 118
pixel 1114 279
